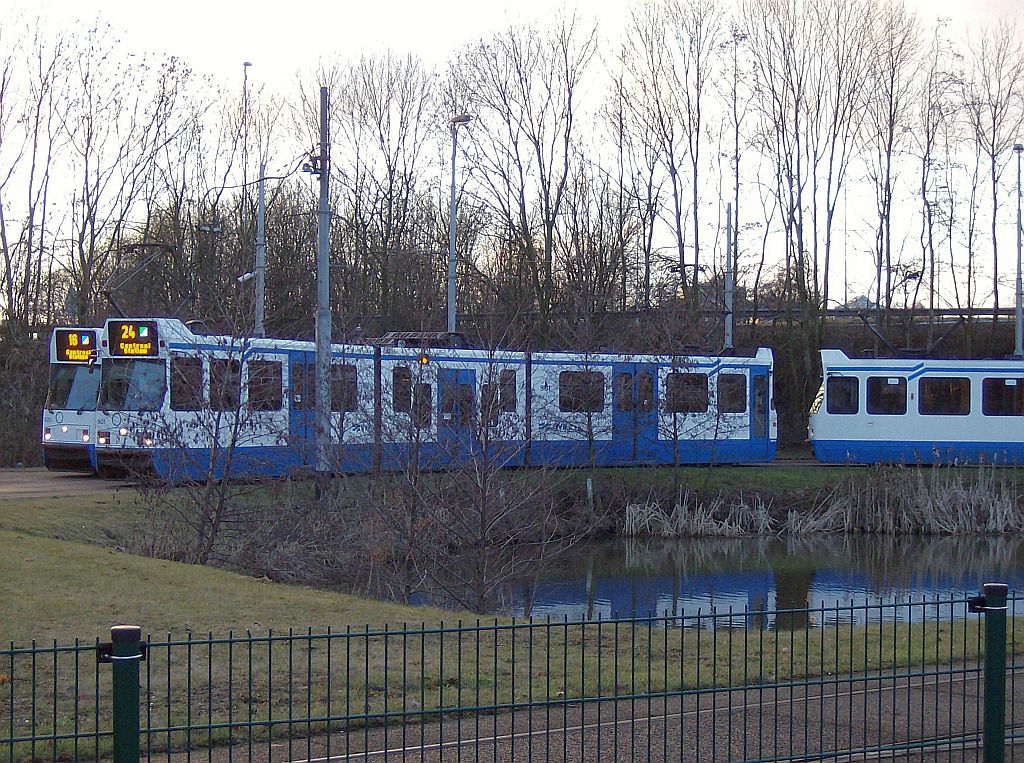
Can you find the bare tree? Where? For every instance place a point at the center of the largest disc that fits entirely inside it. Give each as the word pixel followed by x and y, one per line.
pixel 33 106
pixel 523 87
pixel 122 112
pixel 935 109
pixel 995 111
pixel 698 29
pixel 889 110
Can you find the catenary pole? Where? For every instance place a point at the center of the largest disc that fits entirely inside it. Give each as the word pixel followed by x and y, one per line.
pixel 729 276
pixel 261 252
pixel 461 119
pixel 1018 344
pixel 321 428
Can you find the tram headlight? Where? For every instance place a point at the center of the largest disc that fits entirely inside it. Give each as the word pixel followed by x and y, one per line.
pixel 103 438
pixel 64 429
pixel 47 434
pixel 85 435
pixel 123 431
pixel 146 438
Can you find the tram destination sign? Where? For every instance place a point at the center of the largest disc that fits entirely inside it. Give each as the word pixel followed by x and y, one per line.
pixel 132 339
pixel 75 345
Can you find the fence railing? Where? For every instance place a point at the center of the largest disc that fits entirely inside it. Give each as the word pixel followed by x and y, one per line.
pixel 832 683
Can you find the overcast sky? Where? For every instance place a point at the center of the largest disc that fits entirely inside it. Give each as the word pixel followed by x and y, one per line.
pixel 216 36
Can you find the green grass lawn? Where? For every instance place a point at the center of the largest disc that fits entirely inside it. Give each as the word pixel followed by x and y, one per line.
pixel 63 576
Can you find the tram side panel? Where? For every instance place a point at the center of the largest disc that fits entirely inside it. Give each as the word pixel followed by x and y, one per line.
pixel 571 410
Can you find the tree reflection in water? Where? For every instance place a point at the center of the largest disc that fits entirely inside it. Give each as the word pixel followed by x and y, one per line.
pixel 774 580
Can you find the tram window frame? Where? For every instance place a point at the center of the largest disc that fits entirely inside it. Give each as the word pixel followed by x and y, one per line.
pixel 507 396
pixel 225 384
pixel 687 392
pixel 133 384
pixel 944 396
pixel 401 389
pixel 344 388
pixel 422 407
pixel 187 390
pixel 877 404
pixel 1005 404
pixel 581 391
pixel 643 383
pixel 489 403
pixel 732 393
pixel 264 385
pixel 624 391
pixel 842 395
pixel 498 397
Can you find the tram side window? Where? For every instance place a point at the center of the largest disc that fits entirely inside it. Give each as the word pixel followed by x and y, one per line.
pixel 225 384
pixel 1002 397
pixel 843 393
pixel 624 392
pixel 645 392
pixel 186 384
pixel 732 393
pixel 944 396
pixel 489 403
pixel 401 390
pixel 887 395
pixel 457 401
pixel 265 385
pixel 344 387
pixel 581 391
pixel 422 402
pixel 498 398
pixel 686 392
pixel 507 392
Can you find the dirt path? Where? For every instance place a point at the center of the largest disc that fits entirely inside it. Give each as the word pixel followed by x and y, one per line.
pixel 41 483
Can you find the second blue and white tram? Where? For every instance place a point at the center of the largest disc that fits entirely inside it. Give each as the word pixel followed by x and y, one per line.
pixel 917 411
pixel 69 415
pixel 189 406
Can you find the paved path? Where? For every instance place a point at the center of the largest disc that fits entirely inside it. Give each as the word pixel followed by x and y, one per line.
pixel 41 483
pixel 828 721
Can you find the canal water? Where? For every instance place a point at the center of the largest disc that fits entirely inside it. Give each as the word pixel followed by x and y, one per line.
pixel 838 575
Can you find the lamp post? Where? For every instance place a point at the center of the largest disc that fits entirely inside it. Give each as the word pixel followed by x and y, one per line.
pixel 245 121
pixel 1018 335
pixel 461 119
pixel 261 254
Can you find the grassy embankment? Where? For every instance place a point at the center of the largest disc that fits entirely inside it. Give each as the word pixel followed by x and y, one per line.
pixel 63 576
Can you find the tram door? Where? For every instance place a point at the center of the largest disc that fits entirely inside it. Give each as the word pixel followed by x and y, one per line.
pixel 634 414
pixel 456 416
pixel 759 410
pixel 302 405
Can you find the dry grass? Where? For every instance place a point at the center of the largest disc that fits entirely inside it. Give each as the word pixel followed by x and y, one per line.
pixel 884 500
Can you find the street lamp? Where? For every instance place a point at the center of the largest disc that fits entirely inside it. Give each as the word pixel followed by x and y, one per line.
pixel 461 119
pixel 1018 335
pixel 245 121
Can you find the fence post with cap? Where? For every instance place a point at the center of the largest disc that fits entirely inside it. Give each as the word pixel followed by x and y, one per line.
pixel 126 652
pixel 992 603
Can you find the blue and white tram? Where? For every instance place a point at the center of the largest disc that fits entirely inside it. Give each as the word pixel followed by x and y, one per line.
pixel 188 406
pixel 69 416
pixel 917 411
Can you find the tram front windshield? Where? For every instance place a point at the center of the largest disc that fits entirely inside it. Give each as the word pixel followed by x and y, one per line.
pixel 132 385
pixel 73 387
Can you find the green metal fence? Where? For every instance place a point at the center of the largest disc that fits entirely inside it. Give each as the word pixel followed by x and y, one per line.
pixel 928 678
